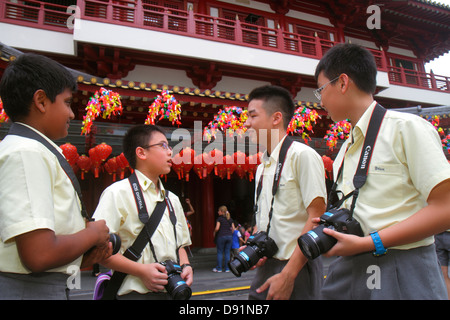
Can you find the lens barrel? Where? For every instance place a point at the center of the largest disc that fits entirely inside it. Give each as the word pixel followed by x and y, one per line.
pixel 116 242
pixel 315 242
pixel 177 288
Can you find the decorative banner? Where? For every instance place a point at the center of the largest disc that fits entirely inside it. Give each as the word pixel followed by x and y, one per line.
pixel 105 103
pixel 338 130
pixel 229 120
pixel 303 119
pixel 3 116
pixel 165 106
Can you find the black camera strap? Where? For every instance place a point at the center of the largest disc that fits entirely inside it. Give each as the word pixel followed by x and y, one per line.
pixel 360 176
pixel 23 131
pixel 276 179
pixel 151 223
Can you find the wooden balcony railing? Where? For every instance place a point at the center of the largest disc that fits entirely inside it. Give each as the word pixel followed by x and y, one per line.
pixel 141 14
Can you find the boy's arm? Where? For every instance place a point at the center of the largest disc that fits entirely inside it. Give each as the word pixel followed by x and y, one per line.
pixel 41 249
pixel 431 220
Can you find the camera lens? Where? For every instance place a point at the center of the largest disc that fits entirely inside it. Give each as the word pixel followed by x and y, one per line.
pixel 315 242
pixel 246 259
pixel 116 242
pixel 177 288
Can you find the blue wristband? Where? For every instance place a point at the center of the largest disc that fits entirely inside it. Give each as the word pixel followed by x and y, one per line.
pixel 379 248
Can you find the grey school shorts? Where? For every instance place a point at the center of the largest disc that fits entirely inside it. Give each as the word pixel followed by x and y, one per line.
pixel 442 241
pixel 412 274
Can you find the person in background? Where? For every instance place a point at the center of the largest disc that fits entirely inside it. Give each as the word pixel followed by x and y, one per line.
pixel 223 234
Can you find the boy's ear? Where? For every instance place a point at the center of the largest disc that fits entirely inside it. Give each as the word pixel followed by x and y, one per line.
pixel 140 154
pixel 344 83
pixel 40 100
pixel 277 118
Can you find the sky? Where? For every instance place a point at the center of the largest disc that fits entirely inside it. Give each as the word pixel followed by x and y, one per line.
pixel 441 65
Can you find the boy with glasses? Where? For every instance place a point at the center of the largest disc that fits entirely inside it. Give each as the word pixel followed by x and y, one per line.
pixel 404 201
pixel 149 154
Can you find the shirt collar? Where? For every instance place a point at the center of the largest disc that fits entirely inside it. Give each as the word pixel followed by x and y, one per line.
pixel 146 183
pixel 42 135
pixel 363 123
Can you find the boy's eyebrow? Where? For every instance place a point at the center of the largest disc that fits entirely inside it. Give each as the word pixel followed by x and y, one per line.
pixel 251 111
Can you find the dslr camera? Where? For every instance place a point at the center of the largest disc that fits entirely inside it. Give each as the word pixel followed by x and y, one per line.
pixel 258 245
pixel 315 242
pixel 176 286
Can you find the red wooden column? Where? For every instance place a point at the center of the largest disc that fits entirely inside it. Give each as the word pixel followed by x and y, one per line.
pixel 208 214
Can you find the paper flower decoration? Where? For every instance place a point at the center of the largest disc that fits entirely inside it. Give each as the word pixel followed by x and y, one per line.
pixel 229 120
pixel 446 143
pixel 303 120
pixel 165 106
pixel 3 116
pixel 103 102
pixel 338 130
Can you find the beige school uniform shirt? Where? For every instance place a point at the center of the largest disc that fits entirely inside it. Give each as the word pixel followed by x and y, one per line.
pixel 118 208
pixel 35 193
pixel 407 163
pixel 302 180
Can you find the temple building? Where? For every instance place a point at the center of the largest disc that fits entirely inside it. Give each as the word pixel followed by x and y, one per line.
pixel 208 55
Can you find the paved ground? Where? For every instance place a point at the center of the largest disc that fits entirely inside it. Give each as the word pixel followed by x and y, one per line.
pixel 207 285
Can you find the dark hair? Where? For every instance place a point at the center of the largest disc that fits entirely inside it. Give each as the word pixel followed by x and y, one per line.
pixel 137 136
pixel 353 60
pixel 27 74
pixel 276 99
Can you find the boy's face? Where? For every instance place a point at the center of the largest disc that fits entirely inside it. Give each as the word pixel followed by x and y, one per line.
pixel 259 122
pixel 58 115
pixel 156 159
pixel 331 98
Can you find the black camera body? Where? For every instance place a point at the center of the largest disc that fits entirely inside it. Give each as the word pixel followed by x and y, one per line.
pixel 258 245
pixel 315 242
pixel 176 286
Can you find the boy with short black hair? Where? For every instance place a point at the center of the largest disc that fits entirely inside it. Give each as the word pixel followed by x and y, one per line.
pixel 149 154
pixel 404 200
pixel 42 230
pixel 301 196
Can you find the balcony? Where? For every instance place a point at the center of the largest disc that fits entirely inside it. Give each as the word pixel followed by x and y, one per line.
pixel 139 14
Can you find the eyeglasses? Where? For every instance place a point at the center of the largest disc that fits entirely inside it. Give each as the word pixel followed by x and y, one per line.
pixel 318 92
pixel 163 145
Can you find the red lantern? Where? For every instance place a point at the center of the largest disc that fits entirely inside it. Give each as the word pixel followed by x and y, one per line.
pixel 216 157
pixel 111 167
pixel 187 156
pixel 252 163
pixel 71 154
pixel 84 163
pixel 328 164
pixel 176 165
pixel 99 154
pixel 227 167
pixel 239 160
pixel 203 165
pixel 122 164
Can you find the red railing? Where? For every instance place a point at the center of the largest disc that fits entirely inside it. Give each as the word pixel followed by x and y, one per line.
pixel 141 14
pixel 416 79
pixel 35 13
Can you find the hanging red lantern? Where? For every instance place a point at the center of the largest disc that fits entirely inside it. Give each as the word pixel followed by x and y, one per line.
pixel 227 167
pixel 328 164
pixel 98 154
pixel 84 163
pixel 216 157
pixel 252 163
pixel 71 154
pixel 187 156
pixel 122 164
pixel 239 160
pixel 176 165
pixel 203 165
pixel 111 167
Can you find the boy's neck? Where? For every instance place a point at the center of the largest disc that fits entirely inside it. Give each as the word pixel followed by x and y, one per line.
pixel 153 178
pixel 273 139
pixel 359 107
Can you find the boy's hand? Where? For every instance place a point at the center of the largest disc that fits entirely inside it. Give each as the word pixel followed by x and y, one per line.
pixel 188 275
pixel 100 230
pixel 154 276
pixel 96 255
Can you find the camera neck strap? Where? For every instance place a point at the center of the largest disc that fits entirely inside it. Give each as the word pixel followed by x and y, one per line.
pixel 134 252
pixel 360 176
pixel 23 131
pixel 276 178
pixel 150 222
